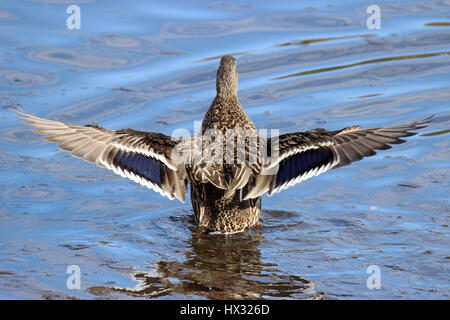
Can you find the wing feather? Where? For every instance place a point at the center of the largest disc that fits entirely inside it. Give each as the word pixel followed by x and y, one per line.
pixel 303 155
pixel 143 157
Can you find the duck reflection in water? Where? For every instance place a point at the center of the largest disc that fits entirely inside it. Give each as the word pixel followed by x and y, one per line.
pixel 218 267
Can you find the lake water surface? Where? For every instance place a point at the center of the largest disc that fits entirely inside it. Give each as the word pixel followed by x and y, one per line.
pixel 151 66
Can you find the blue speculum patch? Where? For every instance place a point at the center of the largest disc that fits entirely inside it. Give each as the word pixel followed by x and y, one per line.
pixel 144 166
pixel 300 163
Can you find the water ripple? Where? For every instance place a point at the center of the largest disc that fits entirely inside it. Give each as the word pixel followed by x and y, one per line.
pixel 16 78
pixel 76 59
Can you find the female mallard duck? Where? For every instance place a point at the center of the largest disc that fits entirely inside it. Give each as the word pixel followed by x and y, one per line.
pixel 226 196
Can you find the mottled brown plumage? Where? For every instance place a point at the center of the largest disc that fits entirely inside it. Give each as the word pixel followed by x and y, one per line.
pixel 223 209
pixel 226 182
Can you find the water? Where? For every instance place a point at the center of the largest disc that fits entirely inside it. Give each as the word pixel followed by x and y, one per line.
pixel 152 67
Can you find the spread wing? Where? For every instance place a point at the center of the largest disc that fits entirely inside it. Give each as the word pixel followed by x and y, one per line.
pixel 302 155
pixel 144 157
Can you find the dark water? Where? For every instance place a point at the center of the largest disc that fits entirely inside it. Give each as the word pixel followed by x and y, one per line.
pixel 151 66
